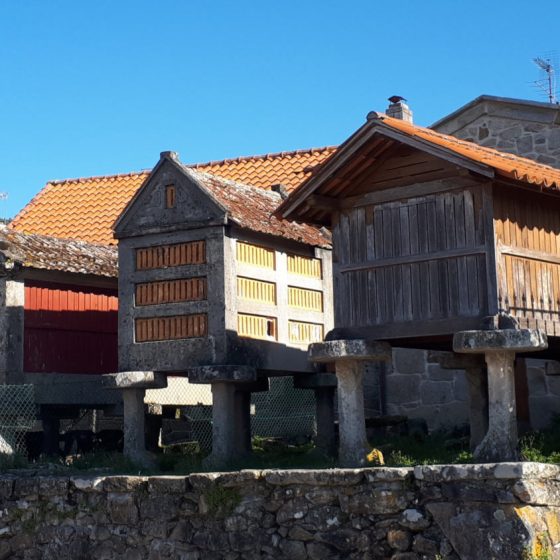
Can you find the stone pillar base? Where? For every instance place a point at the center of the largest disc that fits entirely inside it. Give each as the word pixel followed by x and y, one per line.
pixel 349 357
pixel 133 385
pixel 499 348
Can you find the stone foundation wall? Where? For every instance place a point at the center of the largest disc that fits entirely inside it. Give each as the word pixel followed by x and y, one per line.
pixel 504 511
pixel 418 388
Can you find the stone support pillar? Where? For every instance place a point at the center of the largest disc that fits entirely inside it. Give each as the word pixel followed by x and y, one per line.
pixel 231 401
pixel 12 303
pixel 133 385
pixel 324 385
pixel 499 348
pixel 349 357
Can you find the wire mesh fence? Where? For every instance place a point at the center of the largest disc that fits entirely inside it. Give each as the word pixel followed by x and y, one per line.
pixel 282 412
pixel 18 413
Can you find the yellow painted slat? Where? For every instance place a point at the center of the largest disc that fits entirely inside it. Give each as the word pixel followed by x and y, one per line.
pixel 305 299
pixel 305 333
pixel 256 290
pixel 304 266
pixel 171 291
pixel 164 256
pixel 255 255
pixel 151 329
pixel 257 326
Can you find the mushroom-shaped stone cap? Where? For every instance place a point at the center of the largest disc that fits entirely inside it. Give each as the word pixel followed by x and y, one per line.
pixel 134 380
pixel 334 350
pixel 513 340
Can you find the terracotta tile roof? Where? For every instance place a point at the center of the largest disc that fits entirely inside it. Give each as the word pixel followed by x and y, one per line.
pixel 79 208
pixel 87 208
pixel 51 253
pixel 505 164
pixel 252 208
pixel 285 168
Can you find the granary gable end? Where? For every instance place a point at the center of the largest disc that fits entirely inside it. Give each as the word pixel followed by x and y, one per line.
pixel 170 198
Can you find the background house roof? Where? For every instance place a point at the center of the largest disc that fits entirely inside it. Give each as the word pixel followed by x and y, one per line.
pixel 86 208
pixel 50 253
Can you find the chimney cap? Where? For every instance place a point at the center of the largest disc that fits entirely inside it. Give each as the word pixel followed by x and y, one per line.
pixel 169 154
pixel 396 99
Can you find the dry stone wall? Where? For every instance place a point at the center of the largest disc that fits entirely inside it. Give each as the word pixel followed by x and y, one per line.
pixel 504 511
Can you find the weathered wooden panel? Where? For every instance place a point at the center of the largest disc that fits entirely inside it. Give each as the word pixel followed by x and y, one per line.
pixel 171 291
pixel 304 266
pixel 305 299
pixel 257 326
pixel 305 333
pixel 164 256
pixel 255 255
pixel 528 252
pixel 411 260
pixel 256 290
pixel 151 329
pixel 69 329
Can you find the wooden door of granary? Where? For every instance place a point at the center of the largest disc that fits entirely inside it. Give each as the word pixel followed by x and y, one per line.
pixel 70 329
pixel 421 260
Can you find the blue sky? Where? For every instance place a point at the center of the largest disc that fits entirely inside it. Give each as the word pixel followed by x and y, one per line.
pixel 99 87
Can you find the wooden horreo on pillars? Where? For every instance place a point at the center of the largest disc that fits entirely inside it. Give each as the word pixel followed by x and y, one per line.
pixel 433 236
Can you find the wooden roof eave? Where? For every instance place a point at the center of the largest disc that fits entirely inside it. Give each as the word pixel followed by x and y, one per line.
pixel 305 201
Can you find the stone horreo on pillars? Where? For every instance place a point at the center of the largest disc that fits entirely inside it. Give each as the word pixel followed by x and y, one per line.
pixel 214 287
pixel 434 236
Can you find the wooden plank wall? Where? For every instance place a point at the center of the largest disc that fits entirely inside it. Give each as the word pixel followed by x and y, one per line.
pixel 527 230
pixel 411 260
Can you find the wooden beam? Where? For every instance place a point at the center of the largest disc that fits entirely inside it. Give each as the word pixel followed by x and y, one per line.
pixel 409 190
pixel 409 259
pixel 319 202
pixel 529 254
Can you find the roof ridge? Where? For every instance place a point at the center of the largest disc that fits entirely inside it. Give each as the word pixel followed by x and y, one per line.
pixel 98 177
pixel 270 155
pixel 233 183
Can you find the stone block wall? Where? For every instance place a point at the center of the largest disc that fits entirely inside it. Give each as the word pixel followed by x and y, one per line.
pixel 418 388
pixel 543 379
pixel 504 511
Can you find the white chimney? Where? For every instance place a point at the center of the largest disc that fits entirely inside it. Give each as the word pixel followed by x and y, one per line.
pixel 398 109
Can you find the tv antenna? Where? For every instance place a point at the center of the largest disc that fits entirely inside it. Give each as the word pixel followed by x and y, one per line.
pixel 548 83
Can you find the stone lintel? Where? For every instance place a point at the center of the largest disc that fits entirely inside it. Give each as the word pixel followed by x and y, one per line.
pixel 500 340
pixel 222 374
pixel 335 350
pixel 261 384
pixel 315 381
pixel 451 360
pixel 134 380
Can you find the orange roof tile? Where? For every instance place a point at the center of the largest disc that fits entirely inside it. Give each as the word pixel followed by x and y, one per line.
pixel 285 168
pixel 87 208
pixel 505 164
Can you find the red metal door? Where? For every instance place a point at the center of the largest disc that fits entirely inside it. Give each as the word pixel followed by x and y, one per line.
pixel 70 329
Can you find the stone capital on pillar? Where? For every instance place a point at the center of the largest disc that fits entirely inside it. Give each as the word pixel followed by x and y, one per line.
pixel 349 357
pixel 499 347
